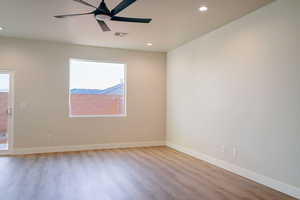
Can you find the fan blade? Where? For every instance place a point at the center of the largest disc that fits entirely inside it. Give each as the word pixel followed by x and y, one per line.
pixel 72 15
pixel 103 25
pixel 85 3
pixel 128 19
pixel 121 6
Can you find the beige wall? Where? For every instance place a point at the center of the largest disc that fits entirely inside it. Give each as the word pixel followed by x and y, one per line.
pixel 41 95
pixel 239 86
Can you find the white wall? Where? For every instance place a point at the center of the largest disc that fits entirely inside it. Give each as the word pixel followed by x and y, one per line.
pixel 41 95
pixel 239 86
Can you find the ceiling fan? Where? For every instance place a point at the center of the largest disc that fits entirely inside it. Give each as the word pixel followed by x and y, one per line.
pixel 102 14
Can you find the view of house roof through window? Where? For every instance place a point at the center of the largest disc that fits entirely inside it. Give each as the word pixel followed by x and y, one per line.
pixel 96 88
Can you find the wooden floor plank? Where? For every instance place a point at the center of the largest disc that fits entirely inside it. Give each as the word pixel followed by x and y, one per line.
pixel 156 173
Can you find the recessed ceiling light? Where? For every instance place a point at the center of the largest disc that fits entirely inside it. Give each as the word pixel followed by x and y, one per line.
pixel 203 8
pixel 149 44
pixel 1 28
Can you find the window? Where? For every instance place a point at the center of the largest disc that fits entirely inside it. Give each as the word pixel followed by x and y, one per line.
pixel 97 89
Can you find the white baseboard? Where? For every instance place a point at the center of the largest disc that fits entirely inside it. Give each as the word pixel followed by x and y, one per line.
pixel 23 151
pixel 272 183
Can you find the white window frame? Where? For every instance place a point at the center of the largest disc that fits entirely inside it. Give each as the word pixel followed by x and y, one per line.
pixel 125 89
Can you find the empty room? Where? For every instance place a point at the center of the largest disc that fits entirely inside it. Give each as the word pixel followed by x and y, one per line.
pixel 149 99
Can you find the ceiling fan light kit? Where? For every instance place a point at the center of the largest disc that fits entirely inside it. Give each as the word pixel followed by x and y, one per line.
pixel 103 14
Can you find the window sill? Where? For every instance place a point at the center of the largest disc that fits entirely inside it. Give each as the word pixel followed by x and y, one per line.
pixel 97 116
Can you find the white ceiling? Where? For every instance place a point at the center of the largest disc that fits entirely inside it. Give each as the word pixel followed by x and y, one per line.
pixel 174 21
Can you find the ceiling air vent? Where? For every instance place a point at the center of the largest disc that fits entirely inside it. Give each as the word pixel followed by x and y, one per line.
pixel 120 34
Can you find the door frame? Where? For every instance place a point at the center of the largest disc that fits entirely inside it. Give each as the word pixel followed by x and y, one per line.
pixel 11 103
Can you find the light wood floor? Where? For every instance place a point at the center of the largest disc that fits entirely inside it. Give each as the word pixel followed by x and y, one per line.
pixel 128 174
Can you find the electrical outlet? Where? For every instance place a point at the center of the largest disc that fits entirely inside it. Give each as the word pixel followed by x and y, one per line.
pixel 223 148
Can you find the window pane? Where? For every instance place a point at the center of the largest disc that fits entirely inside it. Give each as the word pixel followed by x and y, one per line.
pixel 97 88
pixel 4 90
